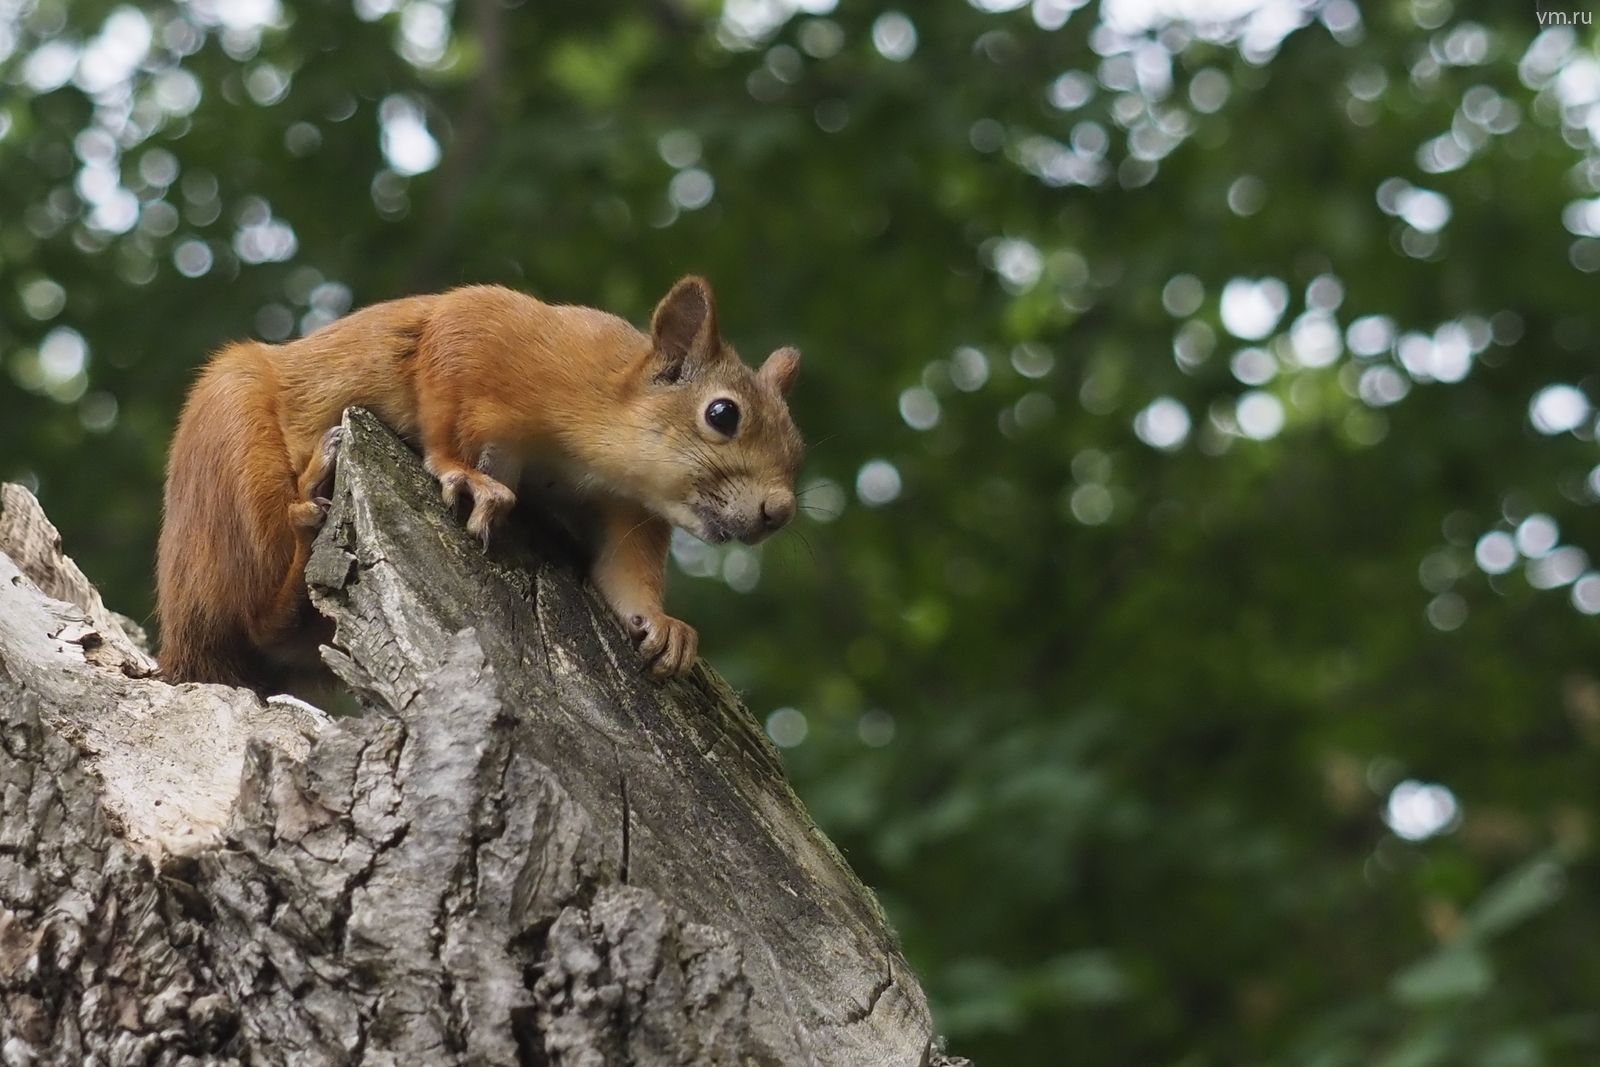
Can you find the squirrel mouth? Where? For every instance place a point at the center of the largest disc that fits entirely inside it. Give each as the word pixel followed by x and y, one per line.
pixel 713 529
pixel 718 529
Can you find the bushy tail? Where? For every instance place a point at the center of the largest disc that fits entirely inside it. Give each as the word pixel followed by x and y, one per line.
pixel 225 543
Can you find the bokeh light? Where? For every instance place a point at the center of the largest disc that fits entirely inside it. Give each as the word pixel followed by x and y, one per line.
pixel 1417 810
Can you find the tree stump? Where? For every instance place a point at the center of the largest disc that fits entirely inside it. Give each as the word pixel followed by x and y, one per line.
pixel 520 852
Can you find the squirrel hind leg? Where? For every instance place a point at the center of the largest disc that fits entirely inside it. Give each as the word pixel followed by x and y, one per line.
pixel 314 488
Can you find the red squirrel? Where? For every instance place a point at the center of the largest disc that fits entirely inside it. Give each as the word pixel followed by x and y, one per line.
pixel 652 431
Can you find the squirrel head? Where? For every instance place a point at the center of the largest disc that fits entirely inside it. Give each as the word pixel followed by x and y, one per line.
pixel 722 455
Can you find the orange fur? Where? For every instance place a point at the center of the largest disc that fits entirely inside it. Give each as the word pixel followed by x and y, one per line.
pixel 487 380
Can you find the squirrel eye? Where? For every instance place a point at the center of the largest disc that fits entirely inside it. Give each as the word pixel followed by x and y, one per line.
pixel 722 415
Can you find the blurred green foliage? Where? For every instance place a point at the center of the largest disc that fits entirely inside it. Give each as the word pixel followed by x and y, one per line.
pixel 1189 633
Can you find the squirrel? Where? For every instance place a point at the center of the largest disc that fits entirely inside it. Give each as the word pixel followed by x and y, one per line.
pixel 649 431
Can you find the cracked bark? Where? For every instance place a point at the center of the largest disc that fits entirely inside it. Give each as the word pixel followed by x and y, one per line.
pixel 520 852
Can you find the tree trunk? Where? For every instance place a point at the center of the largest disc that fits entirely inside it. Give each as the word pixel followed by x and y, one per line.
pixel 521 852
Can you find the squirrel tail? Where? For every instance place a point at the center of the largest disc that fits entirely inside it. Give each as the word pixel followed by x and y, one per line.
pixel 228 555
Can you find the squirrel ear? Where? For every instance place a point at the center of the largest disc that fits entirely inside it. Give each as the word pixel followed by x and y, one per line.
pixel 683 329
pixel 780 369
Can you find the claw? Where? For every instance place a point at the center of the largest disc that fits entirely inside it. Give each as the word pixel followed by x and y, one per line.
pixel 667 645
pixel 486 514
pixel 328 456
pixel 450 487
pixel 308 515
pixel 489 498
pixel 653 641
pixel 331 442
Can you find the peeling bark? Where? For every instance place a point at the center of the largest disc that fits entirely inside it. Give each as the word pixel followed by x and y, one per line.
pixel 521 852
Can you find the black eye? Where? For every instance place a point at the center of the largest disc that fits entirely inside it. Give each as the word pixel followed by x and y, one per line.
pixel 723 416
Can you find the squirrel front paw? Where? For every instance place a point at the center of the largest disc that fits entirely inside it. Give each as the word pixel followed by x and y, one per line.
pixel 491 500
pixel 668 645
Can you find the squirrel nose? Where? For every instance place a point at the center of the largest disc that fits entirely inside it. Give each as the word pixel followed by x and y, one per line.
pixel 777 510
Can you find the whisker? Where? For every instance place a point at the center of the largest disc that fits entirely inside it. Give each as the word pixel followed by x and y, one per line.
pixel 623 539
pixel 804 541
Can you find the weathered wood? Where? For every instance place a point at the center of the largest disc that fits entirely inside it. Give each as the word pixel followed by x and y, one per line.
pixel 169 756
pixel 34 546
pixel 524 852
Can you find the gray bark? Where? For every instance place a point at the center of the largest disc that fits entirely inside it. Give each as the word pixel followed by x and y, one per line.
pixel 520 852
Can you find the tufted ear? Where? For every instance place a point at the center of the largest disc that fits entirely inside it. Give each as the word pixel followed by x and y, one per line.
pixel 781 369
pixel 683 330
